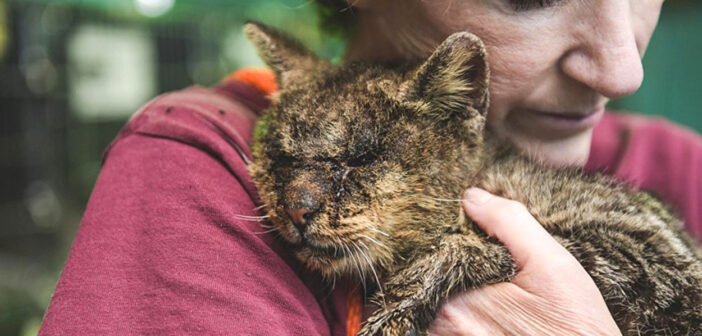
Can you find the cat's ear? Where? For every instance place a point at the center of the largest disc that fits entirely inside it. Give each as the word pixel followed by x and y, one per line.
pixel 454 81
pixel 288 58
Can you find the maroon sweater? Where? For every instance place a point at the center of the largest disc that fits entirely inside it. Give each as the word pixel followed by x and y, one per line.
pixel 162 249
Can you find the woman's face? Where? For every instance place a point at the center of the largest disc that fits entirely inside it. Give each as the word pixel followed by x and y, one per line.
pixel 554 63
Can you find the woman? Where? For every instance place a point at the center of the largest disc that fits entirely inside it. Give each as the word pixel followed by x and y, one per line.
pixel 163 247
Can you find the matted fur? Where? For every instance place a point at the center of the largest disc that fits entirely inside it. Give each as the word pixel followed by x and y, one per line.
pixel 379 156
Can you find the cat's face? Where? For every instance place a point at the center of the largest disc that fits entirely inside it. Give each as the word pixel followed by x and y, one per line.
pixel 350 160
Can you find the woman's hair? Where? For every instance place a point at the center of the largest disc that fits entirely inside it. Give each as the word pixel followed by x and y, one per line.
pixel 336 17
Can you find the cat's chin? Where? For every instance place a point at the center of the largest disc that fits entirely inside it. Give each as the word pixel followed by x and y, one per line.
pixel 323 252
pixel 329 261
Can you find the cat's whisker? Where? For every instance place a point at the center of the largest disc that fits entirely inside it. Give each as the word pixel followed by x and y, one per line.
pixel 360 266
pixel 381 245
pixel 260 207
pixel 348 252
pixel 357 265
pixel 336 247
pixel 373 228
pixel 375 274
pixel 251 218
pixel 337 240
pixel 447 200
pixel 267 231
pixel 246 216
pixel 352 260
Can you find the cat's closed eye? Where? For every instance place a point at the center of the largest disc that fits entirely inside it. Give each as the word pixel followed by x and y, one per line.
pixel 363 160
pixel 286 160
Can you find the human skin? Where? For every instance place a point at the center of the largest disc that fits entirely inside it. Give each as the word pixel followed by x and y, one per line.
pixel 553 69
pixel 550 295
pixel 567 59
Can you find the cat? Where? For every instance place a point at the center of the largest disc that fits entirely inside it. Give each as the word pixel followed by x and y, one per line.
pixel 359 166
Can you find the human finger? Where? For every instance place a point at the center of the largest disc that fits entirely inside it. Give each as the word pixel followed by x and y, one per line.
pixel 512 224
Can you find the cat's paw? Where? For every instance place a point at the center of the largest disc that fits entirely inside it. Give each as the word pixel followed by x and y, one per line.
pixel 389 323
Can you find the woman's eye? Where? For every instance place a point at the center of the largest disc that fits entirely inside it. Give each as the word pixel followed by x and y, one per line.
pixel 363 160
pixel 525 5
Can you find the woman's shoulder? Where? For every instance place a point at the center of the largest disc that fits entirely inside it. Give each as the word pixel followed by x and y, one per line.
pixel 216 120
pixel 228 109
pixel 655 155
pixel 172 232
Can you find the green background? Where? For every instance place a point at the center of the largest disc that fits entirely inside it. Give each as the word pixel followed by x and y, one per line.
pixel 672 85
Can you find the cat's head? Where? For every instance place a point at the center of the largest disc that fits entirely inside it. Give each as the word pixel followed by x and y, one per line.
pixel 353 161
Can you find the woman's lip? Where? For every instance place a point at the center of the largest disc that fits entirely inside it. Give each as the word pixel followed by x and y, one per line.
pixel 551 125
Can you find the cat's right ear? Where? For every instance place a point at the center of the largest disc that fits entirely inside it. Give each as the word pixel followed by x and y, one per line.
pixel 453 81
pixel 288 58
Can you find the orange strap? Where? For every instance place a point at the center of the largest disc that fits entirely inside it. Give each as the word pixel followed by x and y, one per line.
pixel 354 312
pixel 260 78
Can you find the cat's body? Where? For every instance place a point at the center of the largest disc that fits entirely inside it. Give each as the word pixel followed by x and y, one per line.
pixel 360 167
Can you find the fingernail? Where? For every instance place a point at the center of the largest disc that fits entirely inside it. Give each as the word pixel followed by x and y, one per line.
pixel 476 196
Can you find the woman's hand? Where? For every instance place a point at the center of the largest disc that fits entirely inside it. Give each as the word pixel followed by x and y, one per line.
pixel 550 295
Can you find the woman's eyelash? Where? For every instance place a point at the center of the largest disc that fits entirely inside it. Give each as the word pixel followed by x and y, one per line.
pixel 525 5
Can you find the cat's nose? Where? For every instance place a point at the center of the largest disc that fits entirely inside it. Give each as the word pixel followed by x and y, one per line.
pixel 303 199
pixel 300 217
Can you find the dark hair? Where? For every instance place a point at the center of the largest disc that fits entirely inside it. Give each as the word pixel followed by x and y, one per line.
pixel 336 17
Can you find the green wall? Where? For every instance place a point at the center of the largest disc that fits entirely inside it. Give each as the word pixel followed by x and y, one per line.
pixel 672 85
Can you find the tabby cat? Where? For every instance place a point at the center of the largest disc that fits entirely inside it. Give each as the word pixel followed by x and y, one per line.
pixel 358 165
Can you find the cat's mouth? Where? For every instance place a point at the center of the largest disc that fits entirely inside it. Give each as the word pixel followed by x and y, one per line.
pixel 324 251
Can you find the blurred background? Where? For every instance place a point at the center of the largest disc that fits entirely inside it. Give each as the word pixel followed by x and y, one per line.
pixel 73 71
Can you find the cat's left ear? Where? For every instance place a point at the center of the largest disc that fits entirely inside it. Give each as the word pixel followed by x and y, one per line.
pixel 288 58
pixel 453 82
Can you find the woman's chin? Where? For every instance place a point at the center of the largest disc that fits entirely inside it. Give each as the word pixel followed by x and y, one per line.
pixel 566 152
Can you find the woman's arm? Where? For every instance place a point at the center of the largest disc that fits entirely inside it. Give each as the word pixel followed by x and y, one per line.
pixel 162 247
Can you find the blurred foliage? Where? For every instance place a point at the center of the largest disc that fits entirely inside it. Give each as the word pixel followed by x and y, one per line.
pixel 50 155
pixel 298 17
pixel 3 30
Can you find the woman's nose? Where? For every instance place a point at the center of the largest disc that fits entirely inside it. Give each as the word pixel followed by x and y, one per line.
pixel 606 56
